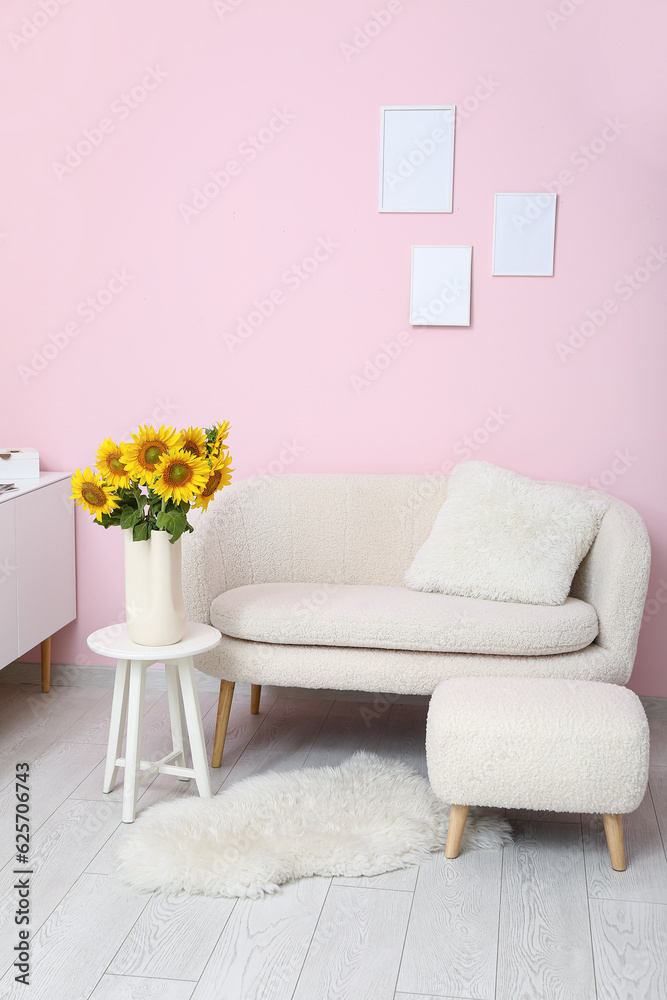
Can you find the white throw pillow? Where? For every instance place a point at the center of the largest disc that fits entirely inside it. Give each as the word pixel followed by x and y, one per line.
pixel 502 537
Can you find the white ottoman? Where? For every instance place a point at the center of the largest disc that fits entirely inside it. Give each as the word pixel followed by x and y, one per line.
pixel 532 743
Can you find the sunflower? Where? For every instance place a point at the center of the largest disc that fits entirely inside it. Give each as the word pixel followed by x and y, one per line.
pixel 220 475
pixel 149 446
pixel 180 476
pixel 110 465
pixel 193 440
pixel 90 491
pixel 218 445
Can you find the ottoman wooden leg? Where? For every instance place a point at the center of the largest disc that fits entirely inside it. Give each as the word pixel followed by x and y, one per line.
pixel 613 827
pixel 255 693
pixel 457 821
pixel 222 721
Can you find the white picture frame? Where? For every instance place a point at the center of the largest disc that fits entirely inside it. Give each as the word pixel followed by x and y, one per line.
pixel 417 158
pixel 524 234
pixel 440 285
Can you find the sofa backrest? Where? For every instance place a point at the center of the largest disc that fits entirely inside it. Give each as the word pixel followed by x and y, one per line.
pixel 310 528
pixel 339 528
pixel 365 529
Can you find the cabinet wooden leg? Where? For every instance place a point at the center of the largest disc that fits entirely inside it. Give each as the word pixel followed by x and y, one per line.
pixel 224 708
pixel 255 694
pixel 613 827
pixel 457 821
pixel 46 665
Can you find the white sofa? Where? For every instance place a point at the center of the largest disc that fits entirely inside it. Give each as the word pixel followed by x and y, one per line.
pixel 303 575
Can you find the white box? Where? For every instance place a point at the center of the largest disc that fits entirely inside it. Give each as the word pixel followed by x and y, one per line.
pixel 18 463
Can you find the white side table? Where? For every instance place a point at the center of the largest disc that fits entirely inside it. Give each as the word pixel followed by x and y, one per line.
pixel 128 703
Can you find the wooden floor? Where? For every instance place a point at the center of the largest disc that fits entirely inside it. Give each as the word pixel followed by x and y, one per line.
pixel 545 919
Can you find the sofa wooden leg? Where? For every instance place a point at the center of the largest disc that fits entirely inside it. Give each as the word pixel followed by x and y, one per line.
pixel 222 721
pixel 255 694
pixel 613 827
pixel 457 821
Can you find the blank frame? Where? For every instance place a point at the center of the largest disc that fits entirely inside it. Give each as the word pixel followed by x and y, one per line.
pixel 417 158
pixel 524 232
pixel 440 293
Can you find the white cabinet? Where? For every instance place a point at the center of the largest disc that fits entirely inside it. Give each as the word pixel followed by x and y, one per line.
pixel 9 633
pixel 37 570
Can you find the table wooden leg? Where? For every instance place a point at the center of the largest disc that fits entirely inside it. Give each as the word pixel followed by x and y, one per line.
pixel 186 673
pixel 116 724
pixel 135 721
pixel 46 665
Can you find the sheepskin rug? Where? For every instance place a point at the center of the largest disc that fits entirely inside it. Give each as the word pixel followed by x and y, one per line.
pixel 365 817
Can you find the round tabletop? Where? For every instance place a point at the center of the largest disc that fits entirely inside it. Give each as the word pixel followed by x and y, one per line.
pixel 113 641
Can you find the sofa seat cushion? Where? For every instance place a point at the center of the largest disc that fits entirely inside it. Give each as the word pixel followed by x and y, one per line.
pixel 398 618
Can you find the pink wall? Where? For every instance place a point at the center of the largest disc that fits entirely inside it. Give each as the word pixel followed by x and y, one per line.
pixel 549 78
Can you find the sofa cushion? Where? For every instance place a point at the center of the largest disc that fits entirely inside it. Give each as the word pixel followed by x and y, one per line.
pixel 502 537
pixel 397 618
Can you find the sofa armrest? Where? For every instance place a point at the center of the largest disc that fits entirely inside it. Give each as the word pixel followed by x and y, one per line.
pixel 613 578
pixel 206 565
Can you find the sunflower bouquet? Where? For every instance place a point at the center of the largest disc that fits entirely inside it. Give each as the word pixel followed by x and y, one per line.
pixel 150 484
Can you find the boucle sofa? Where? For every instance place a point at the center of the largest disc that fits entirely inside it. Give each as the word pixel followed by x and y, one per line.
pixel 303 575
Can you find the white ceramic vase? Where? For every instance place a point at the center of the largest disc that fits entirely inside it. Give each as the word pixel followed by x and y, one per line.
pixel 154 608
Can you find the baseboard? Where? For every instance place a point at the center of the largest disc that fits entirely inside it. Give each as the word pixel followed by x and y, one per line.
pixel 72 675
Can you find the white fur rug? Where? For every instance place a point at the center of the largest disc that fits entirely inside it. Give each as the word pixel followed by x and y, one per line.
pixel 365 817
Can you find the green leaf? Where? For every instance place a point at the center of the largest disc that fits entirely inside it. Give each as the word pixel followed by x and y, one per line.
pixel 129 517
pixel 172 521
pixel 141 532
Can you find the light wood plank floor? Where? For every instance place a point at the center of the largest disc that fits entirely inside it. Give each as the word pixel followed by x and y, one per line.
pixel 545 919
